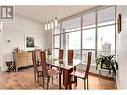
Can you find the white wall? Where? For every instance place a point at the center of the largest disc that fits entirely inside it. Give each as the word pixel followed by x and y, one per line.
pixel 16 30
pixel 1 52
pixel 122 49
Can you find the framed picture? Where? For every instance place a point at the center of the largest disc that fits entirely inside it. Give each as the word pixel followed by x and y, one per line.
pixel 119 22
pixel 29 42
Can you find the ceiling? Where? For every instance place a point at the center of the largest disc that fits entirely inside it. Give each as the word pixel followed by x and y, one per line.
pixel 42 14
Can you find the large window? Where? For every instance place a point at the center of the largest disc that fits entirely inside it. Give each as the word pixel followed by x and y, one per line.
pixel 73 42
pixel 97 34
pixel 71 37
pixel 106 32
pixel 106 40
pixel 56 41
pixel 88 37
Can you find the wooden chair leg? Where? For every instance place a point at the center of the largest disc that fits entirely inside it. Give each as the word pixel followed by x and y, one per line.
pixel 43 81
pixel 48 83
pixel 52 79
pixel 87 84
pixel 84 84
pixel 75 80
pixel 59 80
pixel 35 76
pixel 70 84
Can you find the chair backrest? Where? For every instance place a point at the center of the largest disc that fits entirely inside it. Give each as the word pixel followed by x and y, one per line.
pixel 60 54
pixel 33 57
pixel 37 53
pixel 70 56
pixel 34 61
pixel 43 63
pixel 88 64
pixel 43 57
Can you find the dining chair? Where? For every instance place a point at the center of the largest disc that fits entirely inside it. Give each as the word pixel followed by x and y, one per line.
pixel 70 56
pixel 60 54
pixel 48 73
pixel 82 74
pixel 36 64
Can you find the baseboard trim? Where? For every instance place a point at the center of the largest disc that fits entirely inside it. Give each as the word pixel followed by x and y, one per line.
pixel 117 83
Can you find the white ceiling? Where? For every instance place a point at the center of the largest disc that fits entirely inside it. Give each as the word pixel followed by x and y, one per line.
pixel 42 14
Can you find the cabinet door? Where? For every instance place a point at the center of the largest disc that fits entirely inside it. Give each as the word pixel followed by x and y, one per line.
pixel 21 61
pixel 30 58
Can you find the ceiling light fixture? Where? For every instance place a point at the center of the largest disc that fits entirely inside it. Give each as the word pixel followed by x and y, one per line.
pixel 51 25
pixel 56 22
pixel 46 27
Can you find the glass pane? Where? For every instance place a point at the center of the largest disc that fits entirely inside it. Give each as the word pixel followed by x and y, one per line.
pixel 106 40
pixel 106 16
pixel 85 55
pixel 89 20
pixel 72 41
pixel 56 53
pixel 89 39
pixel 71 25
pixel 57 41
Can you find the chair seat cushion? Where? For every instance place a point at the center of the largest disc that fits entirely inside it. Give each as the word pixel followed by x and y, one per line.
pixel 78 73
pixel 53 72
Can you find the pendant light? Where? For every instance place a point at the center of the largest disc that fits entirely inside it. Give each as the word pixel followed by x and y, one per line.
pixel 49 26
pixel 52 25
pixel 56 22
pixel 46 27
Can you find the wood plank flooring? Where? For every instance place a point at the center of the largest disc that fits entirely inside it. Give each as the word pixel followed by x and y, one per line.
pixel 24 80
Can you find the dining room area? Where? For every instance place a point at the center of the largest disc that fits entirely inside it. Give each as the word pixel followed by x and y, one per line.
pixel 61 48
pixel 52 74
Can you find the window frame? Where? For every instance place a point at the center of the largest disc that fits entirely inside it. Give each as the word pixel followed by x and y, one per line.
pixel 81 29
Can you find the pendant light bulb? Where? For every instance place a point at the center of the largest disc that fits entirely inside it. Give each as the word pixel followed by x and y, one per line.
pixel 46 27
pixel 56 22
pixel 52 25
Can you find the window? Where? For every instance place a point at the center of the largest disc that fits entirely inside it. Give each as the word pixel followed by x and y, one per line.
pixel 106 40
pixel 98 35
pixel 71 37
pixel 106 32
pixel 72 25
pixel 106 16
pixel 57 41
pixel 73 42
pixel 88 37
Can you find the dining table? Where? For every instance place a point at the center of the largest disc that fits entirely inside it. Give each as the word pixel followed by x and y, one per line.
pixel 66 68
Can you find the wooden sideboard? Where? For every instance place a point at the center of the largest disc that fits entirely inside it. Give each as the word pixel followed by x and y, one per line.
pixel 23 59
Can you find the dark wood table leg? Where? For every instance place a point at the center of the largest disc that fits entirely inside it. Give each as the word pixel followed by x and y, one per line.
pixel 75 78
pixel 63 76
pixel 70 85
pixel 60 80
pixel 65 79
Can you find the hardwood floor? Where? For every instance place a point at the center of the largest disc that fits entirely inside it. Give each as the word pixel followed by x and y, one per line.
pixel 24 80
